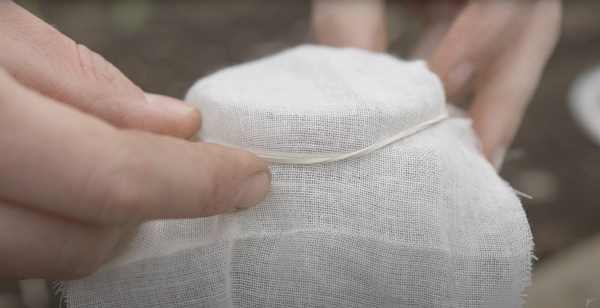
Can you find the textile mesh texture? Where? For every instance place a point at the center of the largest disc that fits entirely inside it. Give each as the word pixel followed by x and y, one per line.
pixel 422 222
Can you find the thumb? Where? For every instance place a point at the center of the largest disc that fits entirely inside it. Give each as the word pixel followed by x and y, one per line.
pixel 45 60
pixel 84 169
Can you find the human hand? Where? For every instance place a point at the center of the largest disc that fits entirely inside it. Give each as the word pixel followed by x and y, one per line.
pixel 70 183
pixel 45 60
pixel 498 49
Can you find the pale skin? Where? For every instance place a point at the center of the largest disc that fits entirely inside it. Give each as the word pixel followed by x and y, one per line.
pixel 86 154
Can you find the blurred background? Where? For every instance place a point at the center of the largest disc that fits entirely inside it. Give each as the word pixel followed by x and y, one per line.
pixel 164 46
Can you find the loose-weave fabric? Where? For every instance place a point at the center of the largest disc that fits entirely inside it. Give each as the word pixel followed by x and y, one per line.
pixel 422 222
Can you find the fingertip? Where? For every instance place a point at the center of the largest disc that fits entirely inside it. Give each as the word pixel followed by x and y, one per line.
pixel 240 179
pixel 161 115
pixel 457 79
pixel 188 116
pixel 217 179
pixel 497 157
pixel 184 127
pixel 169 104
pixel 253 192
pixel 495 131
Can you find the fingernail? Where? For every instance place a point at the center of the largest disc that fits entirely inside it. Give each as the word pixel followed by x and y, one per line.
pixel 458 77
pixel 169 104
pixel 254 191
pixel 498 157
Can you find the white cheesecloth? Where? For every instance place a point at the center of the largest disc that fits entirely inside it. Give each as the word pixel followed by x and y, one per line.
pixel 421 219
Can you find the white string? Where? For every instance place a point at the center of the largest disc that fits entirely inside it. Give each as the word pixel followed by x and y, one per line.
pixel 306 160
pixel 522 194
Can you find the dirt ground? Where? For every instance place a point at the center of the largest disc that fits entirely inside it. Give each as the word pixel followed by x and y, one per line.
pixel 164 46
